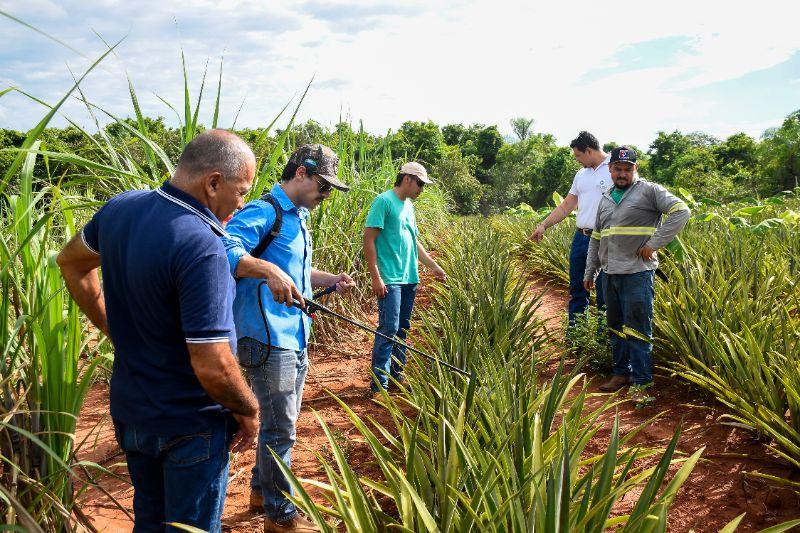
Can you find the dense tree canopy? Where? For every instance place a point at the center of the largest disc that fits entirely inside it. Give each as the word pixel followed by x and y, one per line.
pixel 475 164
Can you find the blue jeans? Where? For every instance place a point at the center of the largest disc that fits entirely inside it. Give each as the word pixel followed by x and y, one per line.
pixel 629 311
pixel 278 386
pixel 579 296
pixel 394 319
pixel 177 479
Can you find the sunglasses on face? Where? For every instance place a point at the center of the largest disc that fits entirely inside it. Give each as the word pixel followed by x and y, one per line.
pixel 420 183
pixel 323 185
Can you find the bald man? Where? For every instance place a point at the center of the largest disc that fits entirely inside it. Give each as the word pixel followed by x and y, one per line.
pixel 178 400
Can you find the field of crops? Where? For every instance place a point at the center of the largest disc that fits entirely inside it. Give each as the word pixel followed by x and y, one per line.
pixel 504 450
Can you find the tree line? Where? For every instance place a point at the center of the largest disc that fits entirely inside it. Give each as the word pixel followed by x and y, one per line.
pixel 485 172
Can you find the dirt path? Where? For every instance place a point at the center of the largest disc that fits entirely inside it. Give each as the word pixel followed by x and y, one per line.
pixel 716 492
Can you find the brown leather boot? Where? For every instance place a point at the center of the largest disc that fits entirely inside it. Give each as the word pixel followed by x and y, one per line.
pixel 256 501
pixel 298 524
pixel 615 383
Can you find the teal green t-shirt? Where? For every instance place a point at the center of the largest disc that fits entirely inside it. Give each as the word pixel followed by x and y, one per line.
pixel 396 244
pixel 617 194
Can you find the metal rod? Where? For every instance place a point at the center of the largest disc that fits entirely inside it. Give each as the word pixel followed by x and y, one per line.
pixel 313 305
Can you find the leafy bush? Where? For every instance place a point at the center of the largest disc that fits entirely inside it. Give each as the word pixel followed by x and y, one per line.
pixel 588 339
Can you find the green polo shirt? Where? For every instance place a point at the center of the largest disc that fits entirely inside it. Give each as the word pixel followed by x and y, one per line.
pixel 396 243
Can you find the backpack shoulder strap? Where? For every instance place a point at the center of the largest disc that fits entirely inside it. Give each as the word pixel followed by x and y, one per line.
pixel 274 231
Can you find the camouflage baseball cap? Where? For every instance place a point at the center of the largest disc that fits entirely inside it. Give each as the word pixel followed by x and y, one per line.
pixel 320 160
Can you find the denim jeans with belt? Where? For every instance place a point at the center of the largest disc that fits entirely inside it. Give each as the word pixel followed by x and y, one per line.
pixel 278 386
pixel 629 312
pixel 578 295
pixel 180 478
pixel 394 319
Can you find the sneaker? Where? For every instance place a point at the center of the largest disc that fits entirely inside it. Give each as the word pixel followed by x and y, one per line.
pixel 297 524
pixel 256 501
pixel 615 383
pixel 642 395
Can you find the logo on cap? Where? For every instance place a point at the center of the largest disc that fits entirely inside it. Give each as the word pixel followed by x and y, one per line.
pixel 623 153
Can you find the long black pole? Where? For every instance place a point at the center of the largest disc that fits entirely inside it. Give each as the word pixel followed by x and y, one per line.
pixel 313 305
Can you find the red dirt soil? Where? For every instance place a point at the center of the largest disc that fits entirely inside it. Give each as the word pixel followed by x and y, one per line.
pixel 715 493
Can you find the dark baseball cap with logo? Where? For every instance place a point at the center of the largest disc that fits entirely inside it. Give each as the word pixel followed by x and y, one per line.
pixel 623 154
pixel 320 160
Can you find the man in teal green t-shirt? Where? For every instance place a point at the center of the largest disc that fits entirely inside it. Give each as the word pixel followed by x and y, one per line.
pixel 392 250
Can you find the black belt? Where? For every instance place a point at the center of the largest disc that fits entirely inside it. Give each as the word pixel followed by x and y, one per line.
pixel 587 232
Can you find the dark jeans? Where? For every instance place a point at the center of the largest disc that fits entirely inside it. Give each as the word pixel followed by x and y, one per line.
pixel 629 313
pixel 579 296
pixel 394 319
pixel 177 479
pixel 278 386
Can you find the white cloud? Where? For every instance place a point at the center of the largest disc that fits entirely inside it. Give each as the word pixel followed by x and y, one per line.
pixel 483 61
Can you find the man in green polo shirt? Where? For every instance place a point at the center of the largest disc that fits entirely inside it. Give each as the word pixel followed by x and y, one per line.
pixel 392 251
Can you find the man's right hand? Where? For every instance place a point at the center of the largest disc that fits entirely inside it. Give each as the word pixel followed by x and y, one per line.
pixel 379 287
pixel 537 235
pixel 283 289
pixel 247 433
pixel 587 284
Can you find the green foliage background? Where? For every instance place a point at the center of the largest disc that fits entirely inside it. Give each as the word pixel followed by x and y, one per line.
pixel 486 173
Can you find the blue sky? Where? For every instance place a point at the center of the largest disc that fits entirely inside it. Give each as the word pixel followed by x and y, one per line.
pixel 711 66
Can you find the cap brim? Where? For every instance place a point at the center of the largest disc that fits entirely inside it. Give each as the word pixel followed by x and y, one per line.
pixel 622 161
pixel 425 180
pixel 335 183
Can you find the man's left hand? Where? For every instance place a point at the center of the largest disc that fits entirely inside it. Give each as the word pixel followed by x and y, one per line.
pixel 344 283
pixel 647 253
pixel 438 273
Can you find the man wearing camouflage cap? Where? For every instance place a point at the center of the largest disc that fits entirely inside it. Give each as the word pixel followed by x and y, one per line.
pixel 275 358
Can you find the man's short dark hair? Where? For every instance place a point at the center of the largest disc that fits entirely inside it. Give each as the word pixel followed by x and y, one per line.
pixel 399 180
pixel 585 140
pixel 289 171
pixel 215 150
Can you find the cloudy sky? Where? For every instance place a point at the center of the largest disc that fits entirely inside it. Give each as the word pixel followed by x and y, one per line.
pixel 622 72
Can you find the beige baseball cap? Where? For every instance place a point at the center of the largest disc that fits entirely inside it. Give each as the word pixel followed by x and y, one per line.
pixel 415 169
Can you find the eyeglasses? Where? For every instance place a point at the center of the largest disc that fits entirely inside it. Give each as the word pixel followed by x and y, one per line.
pixel 323 185
pixel 420 183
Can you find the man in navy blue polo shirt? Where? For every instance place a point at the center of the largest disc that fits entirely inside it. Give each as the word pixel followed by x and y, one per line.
pixel 276 359
pixel 178 399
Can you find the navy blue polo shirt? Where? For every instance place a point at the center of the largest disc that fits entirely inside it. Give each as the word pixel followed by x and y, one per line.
pixel 166 282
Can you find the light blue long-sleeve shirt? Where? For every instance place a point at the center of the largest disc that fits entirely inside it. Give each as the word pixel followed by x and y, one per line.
pixel 291 251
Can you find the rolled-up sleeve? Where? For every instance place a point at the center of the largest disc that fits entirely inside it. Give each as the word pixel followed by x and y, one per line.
pixel 246 229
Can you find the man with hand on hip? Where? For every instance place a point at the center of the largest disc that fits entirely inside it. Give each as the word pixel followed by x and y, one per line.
pixel 629 230
pixel 391 249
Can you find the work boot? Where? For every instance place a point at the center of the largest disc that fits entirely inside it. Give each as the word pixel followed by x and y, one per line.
pixel 615 383
pixel 256 501
pixel 297 524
